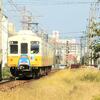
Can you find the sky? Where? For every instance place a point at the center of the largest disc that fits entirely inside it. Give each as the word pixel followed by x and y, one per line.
pixel 69 19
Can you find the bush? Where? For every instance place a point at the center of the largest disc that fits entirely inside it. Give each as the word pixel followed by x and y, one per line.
pixel 96 98
pixel 91 77
pixel 88 77
pixel 6 72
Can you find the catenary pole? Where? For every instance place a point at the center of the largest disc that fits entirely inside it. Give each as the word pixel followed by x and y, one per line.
pixel 1 39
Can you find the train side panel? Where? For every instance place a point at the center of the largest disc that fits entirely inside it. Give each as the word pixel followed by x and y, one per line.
pixel 47 54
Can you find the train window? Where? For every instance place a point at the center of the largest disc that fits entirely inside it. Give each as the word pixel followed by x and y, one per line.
pixel 34 47
pixel 24 48
pixel 13 47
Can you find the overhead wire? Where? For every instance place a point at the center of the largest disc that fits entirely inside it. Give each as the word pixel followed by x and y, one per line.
pixel 52 4
pixel 15 4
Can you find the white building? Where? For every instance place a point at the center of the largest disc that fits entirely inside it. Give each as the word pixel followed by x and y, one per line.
pixel 4 40
pixel 67 50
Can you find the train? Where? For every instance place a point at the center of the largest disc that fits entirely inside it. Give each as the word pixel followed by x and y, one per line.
pixel 29 55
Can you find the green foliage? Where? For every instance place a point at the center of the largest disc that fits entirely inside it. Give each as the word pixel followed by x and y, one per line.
pixel 97 32
pixel 88 77
pixel 97 47
pixel 92 77
pixel 6 72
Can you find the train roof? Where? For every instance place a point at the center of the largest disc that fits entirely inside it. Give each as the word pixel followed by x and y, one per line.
pixel 25 34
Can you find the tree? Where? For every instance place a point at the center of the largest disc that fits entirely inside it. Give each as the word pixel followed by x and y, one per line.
pixel 97 31
pixel 97 47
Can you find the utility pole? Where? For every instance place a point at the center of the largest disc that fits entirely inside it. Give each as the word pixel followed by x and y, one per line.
pixel 27 21
pixel 91 33
pixel 84 49
pixel 81 49
pixel 1 39
pixel 67 52
pixel 26 18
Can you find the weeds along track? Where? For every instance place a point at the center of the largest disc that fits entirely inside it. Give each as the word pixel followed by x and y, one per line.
pixel 7 80
pixel 12 83
pixel 53 71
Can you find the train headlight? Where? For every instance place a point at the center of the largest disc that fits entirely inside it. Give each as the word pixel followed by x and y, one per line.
pixel 21 67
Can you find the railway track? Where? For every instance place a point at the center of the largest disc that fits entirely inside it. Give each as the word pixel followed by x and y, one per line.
pixel 12 83
pixel 7 80
pixel 8 85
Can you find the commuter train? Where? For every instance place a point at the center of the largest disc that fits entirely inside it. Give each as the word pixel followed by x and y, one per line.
pixel 29 55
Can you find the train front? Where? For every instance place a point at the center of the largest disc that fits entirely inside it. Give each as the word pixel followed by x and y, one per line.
pixel 21 55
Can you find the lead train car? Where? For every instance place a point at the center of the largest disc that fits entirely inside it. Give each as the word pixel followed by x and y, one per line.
pixel 29 55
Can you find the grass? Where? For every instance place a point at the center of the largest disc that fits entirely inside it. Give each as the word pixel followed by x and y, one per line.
pixel 91 77
pixel 6 70
pixel 96 97
pixel 75 84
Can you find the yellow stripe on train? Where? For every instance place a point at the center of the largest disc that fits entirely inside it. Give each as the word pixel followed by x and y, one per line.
pixel 13 61
pixel 37 61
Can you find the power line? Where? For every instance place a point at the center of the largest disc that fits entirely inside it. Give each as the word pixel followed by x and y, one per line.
pixel 52 3
pixel 73 32
pixel 11 2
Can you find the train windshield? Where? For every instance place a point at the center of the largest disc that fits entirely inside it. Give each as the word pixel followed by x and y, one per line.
pixel 13 47
pixel 34 47
pixel 24 48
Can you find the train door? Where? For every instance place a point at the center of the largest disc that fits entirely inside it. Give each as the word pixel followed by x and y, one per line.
pixel 24 62
pixel 24 48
